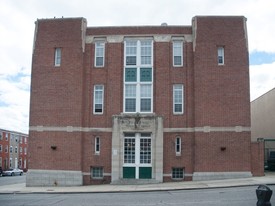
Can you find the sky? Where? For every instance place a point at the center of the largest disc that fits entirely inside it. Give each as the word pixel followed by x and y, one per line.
pixel 17 19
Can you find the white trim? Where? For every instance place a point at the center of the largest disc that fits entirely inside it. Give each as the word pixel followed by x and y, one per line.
pixel 97 142
pixel 178 153
pixel 202 176
pixel 57 57
pixel 156 37
pixel 220 51
pixel 97 41
pixel 138 66
pixel 94 129
pixel 94 98
pixel 180 43
pixel 182 99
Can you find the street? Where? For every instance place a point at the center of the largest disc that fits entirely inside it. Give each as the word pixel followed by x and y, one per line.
pixel 236 196
pixel 8 180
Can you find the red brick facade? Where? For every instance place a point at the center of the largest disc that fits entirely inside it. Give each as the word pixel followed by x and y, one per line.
pixel 214 127
pixel 13 150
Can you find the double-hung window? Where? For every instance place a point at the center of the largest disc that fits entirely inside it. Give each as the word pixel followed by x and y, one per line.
pixel 57 57
pixel 98 99
pixel 177 53
pixel 220 55
pixel 138 76
pixel 99 53
pixel 178 106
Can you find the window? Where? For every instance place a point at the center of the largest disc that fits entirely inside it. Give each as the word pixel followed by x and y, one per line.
pixel 129 150
pixel 0 148
pixel 177 53
pixel 98 99
pixel 57 57
pixel 138 76
pixel 20 140
pixel 25 150
pixel 6 149
pixel 130 53
pixel 26 140
pixel 177 173
pixel 1 136
pixel 20 149
pixel 99 53
pixel 10 162
pixel 0 161
pixel 145 150
pixel 178 145
pixel 178 99
pixel 10 149
pixel 97 172
pixel 97 145
pixel 7 136
pixel 15 149
pixel 220 55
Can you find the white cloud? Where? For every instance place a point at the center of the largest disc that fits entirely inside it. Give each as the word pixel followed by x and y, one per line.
pixel 262 79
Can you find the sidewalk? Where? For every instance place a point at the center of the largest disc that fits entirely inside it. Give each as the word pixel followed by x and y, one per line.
pixel 268 179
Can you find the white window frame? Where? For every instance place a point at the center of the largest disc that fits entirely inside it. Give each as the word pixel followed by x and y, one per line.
pixel 220 55
pixel 97 145
pixel 177 45
pixel 57 57
pixel 178 146
pixel 138 48
pixel 96 101
pixel 175 89
pixel 11 149
pixel 99 45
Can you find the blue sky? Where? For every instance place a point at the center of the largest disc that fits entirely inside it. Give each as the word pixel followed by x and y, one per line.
pixel 17 29
pixel 258 58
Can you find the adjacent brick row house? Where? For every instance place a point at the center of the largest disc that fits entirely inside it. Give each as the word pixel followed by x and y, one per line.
pixel 13 150
pixel 139 103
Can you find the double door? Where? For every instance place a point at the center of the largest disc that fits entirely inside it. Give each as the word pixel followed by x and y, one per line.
pixel 137 162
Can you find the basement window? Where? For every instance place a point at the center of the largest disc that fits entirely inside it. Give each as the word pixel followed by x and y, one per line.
pixel 177 173
pixel 97 172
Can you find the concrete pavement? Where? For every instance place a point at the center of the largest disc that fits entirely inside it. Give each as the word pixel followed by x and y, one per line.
pixel 268 179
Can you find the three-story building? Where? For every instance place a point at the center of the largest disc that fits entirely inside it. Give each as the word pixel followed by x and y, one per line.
pixel 139 103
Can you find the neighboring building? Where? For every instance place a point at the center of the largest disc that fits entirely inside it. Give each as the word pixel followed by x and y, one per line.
pixel 263 116
pixel 13 153
pixel 140 103
pixel 263 121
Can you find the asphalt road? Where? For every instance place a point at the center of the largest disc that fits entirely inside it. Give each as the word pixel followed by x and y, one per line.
pixel 237 196
pixel 9 180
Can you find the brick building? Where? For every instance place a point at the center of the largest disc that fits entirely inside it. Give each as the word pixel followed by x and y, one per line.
pixel 142 103
pixel 13 150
